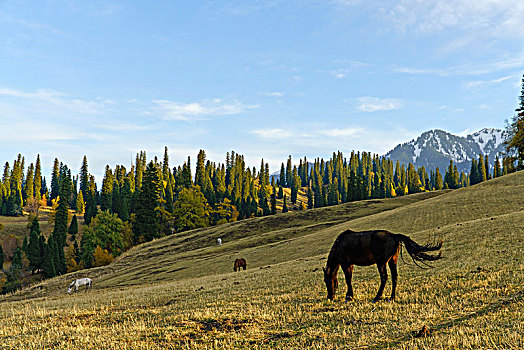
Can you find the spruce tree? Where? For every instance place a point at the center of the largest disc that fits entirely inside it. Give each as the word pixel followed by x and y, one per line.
pixel 273 204
pixel 1 258
pixel 73 228
pixel 145 226
pixel 309 198
pixel 33 248
pixel 55 178
pixel 474 176
pixel 482 169
pixel 29 184
pixel 48 260
pixel 107 190
pixel 37 180
pixel 515 136
pixel 284 206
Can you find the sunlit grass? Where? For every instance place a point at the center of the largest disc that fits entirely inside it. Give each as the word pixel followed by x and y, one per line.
pixel 179 292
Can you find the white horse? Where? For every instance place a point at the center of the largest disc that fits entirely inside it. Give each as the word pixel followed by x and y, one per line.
pixel 219 241
pixel 80 282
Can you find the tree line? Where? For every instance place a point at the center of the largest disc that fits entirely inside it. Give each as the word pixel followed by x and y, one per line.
pixel 152 199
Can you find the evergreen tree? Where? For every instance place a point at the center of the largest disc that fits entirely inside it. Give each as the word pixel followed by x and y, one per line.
pixel 55 176
pixel 289 172
pixel 48 261
pixel 1 258
pixel 284 206
pixel 33 248
pixel 73 228
pixel 482 169
pixel 273 204
pixel 486 164
pixel 474 176
pixel 37 181
pixel 515 135
pixel 80 204
pixel 438 180
pixel 145 226
pixel 29 184
pixel 282 178
pixel 106 196
pixel 497 171
pixel 309 198
pixel 87 248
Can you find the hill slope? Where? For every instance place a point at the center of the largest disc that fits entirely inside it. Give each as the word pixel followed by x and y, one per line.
pixel 180 291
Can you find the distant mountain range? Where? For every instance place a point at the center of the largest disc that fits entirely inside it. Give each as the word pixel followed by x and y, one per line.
pixel 437 147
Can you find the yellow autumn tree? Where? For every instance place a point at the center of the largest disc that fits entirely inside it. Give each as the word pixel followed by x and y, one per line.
pixel 102 257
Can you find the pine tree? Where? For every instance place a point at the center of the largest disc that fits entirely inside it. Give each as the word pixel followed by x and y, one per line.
pixel 106 196
pixel 486 164
pixel 29 184
pixel 145 226
pixel 309 198
pixel 48 261
pixel 33 248
pixel 80 204
pixel 497 171
pixel 55 176
pixel 1 258
pixel 482 169
pixel 474 176
pixel 284 206
pixel 73 228
pixel 273 204
pixel 515 135
pixel 37 181
pixel 438 180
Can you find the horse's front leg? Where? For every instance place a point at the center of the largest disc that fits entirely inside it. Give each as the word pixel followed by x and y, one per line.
pixel 383 279
pixel 348 272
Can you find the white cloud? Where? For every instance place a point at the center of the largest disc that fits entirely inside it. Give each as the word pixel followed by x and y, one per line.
pixel 478 83
pixel 275 133
pixel 374 104
pixel 482 18
pixel 199 110
pixel 274 93
pixel 351 131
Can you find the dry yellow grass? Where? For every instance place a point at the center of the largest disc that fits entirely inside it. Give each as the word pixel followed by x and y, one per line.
pixel 181 292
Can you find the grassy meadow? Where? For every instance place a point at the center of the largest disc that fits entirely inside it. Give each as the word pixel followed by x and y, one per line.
pixel 180 292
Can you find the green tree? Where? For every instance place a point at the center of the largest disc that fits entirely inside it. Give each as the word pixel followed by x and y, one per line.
pixel 191 210
pixel 73 228
pixel 284 206
pixel 515 134
pixel 1 258
pixel 37 181
pixel 145 225
pixel 482 169
pixel 106 230
pixel 87 247
pixel 106 195
pixel 273 204
pixel 48 259
pixel 34 253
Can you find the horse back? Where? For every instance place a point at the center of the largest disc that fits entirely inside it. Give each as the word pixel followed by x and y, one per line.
pixel 365 247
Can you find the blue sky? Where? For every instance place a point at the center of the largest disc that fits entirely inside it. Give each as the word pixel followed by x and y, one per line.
pixel 266 79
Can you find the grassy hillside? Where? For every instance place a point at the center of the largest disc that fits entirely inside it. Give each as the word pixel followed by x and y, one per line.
pixel 181 292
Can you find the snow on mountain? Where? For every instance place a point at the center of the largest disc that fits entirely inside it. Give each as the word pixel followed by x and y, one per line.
pixel 437 147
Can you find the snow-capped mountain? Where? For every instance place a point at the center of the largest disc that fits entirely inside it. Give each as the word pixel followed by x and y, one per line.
pixel 437 147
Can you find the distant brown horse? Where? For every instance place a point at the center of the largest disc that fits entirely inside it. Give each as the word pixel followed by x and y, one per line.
pixel 367 248
pixel 240 263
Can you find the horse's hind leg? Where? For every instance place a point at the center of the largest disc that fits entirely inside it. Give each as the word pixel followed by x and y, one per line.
pixel 383 279
pixel 393 268
pixel 348 272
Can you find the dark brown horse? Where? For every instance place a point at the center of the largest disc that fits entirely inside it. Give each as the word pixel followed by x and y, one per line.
pixel 240 263
pixel 367 248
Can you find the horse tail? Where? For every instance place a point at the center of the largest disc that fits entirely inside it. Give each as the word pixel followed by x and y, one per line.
pixel 417 251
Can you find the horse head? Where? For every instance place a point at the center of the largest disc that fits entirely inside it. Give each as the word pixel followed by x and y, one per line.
pixel 331 281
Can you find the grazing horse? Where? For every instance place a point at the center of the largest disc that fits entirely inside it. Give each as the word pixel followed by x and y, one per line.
pixel 219 241
pixel 80 282
pixel 367 248
pixel 240 263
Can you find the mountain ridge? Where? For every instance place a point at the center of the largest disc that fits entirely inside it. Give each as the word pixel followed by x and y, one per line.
pixel 437 147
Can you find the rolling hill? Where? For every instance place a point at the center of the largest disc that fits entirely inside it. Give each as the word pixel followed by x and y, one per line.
pixel 180 291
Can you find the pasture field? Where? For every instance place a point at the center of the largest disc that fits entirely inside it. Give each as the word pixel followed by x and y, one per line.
pixel 180 292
